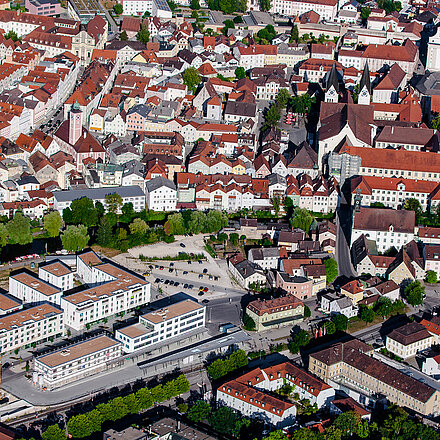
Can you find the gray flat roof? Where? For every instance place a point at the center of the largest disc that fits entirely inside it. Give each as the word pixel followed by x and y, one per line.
pixel 98 193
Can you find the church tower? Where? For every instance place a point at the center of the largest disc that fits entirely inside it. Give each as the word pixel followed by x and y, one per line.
pixel 332 86
pixel 365 87
pixel 75 127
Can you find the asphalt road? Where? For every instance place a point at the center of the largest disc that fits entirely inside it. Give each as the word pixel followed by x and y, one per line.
pixel 343 223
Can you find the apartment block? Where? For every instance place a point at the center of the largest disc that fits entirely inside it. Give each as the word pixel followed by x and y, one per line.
pixel 162 325
pixel 57 273
pixel 112 290
pixel 351 366
pixel 9 304
pixel 36 324
pixel 26 286
pixel 75 362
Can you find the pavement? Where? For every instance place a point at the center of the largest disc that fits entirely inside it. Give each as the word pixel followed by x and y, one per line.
pixel 342 252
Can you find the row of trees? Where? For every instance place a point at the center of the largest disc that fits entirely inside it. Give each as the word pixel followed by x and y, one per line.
pixel 383 307
pixel 392 424
pixel 195 222
pixel 273 114
pixel 222 367
pixel 18 230
pixel 84 425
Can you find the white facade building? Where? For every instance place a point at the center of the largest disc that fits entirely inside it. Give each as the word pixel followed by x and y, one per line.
pixel 22 328
pixel 162 325
pixel 112 290
pixel 161 194
pixel 75 362
pixel 58 274
pixel 431 366
pixel 32 290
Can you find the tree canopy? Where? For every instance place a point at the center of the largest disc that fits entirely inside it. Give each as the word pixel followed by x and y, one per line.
pixel 19 229
pixel 414 293
pixel 191 78
pixel 52 222
pixel 301 219
pixel 240 73
pixel 144 34
pixel 81 212
pixel 75 238
pixel 331 269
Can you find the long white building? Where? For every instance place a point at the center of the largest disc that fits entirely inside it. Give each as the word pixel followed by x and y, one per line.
pixel 162 325
pixel 22 328
pixel 327 9
pixel 33 290
pixel 113 290
pixel 69 364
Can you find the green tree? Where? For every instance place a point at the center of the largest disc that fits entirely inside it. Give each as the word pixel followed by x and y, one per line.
pixel 248 323
pixel 195 4
pixel 118 9
pixel 273 116
pixel 302 104
pixel 383 307
pixel 300 339
pixel 267 33
pixel 305 434
pixel 123 36
pixel 144 397
pixel 366 313
pixel 307 312
pixel 223 420
pixel 265 5
pixel 52 222
pixel 94 420
pixel 172 5
pixel 175 224
pixel 19 229
pixel 228 24
pixel 330 327
pixel 238 359
pixel 113 203
pixel 104 234
pixel 365 12
pixel 144 34
pixel 340 321
pixel 431 277
pixel 12 35
pixel 54 432
pixel 199 411
pixel 233 238
pixel 80 426
pixel 347 422
pixel 75 238
pixel 191 78
pixel 158 394
pixel 81 212
pixel 294 34
pixel 435 122
pixel 182 384
pixel 301 219
pixel 283 98
pixel 331 269
pixel 3 235
pixel 119 408
pixel 414 293
pixel 138 227
pixel 215 220
pixel 278 435
pixel 240 73
pixel 307 408
pixel 197 222
pixel 218 369
pixel 132 403
pixel 127 213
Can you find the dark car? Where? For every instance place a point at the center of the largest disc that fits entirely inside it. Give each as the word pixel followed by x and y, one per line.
pixel 170 270
pixel 185 286
pixel 200 262
pixel 189 261
pixel 205 270
pixel 191 286
pixel 6 365
pixel 182 245
pixel 171 264
pixel 215 278
pixel 200 275
pixel 201 293
pixel 177 283
pixel 167 281
pixel 150 266
pixel 205 301
pixel 171 283
pixel 185 272
pixel 157 280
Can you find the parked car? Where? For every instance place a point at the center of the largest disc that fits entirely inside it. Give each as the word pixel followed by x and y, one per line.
pixel 205 270
pixel 191 286
pixel 185 286
pixel 171 283
pixel 182 245
pixel 205 301
pixel 157 280
pixel 167 281
pixel 185 272
pixel 200 275
pixel 201 293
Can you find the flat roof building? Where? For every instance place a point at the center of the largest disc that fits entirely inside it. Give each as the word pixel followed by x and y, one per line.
pixel 36 324
pixel 162 325
pixel 75 362
pixel 9 304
